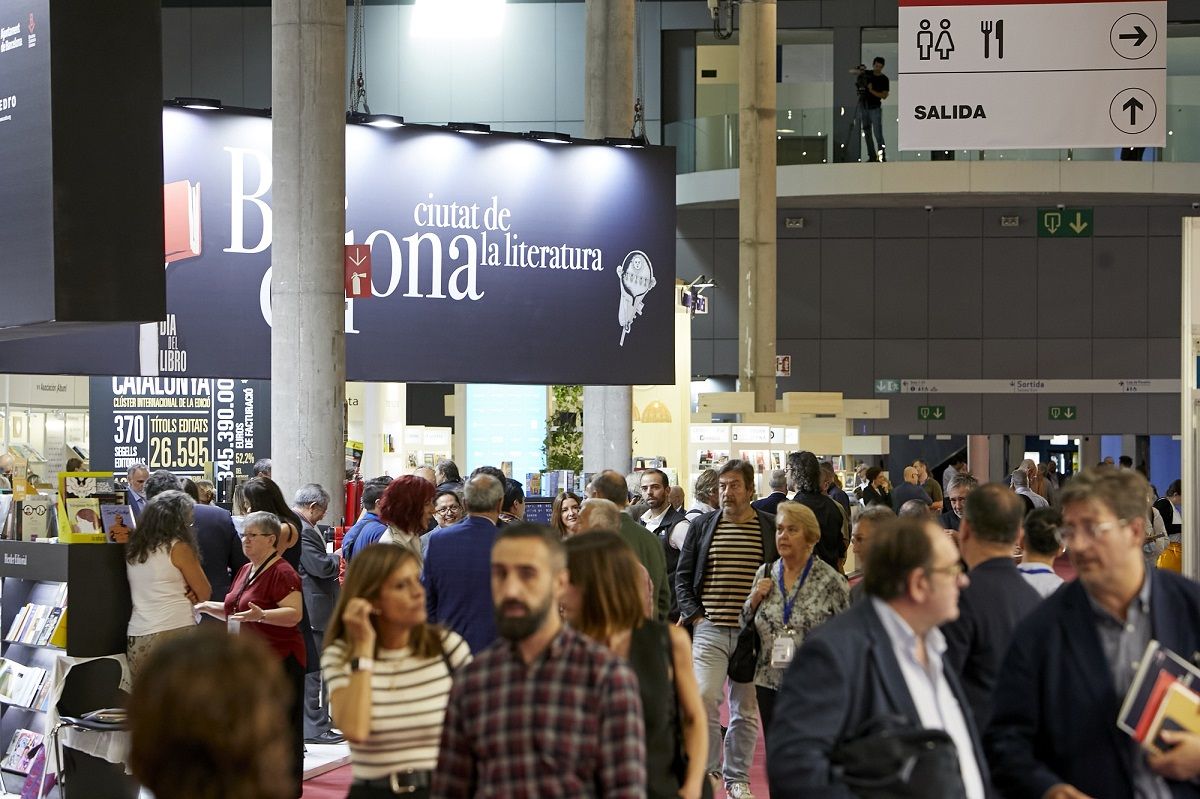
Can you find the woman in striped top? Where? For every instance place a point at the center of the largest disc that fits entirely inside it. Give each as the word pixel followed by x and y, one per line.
pixel 389 674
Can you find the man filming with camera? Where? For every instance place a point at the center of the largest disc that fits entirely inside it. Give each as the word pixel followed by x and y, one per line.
pixel 873 88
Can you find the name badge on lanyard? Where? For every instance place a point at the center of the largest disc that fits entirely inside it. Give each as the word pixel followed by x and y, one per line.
pixel 784 648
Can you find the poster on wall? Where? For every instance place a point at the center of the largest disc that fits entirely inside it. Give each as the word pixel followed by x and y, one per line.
pixel 541 262
pixel 179 424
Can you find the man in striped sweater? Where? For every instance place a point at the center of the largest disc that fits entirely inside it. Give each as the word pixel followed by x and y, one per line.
pixel 720 555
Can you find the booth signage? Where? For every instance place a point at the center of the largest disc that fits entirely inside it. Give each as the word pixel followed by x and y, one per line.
pixel 180 424
pixel 1033 73
pixel 495 259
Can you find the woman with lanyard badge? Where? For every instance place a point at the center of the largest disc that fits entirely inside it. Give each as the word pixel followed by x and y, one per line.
pixel 265 600
pixel 791 597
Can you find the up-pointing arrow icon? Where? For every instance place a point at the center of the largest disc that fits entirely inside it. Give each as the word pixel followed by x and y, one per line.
pixel 1133 105
pixel 1139 36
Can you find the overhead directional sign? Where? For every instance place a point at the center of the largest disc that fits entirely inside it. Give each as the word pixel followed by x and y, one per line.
pixel 1065 223
pixel 887 386
pixel 1140 385
pixel 1032 74
pixel 931 413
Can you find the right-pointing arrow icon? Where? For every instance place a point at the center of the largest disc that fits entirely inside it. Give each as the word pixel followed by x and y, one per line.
pixel 1138 37
pixel 1133 105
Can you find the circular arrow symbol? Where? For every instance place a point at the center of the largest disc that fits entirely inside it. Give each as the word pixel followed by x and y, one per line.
pixel 1133 36
pixel 1132 110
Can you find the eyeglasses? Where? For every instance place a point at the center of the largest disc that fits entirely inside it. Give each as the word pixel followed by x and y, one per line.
pixel 257 535
pixel 1092 532
pixel 29 510
pixel 954 570
pixel 444 511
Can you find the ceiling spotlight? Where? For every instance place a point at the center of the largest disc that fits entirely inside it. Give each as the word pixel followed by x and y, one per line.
pixel 197 103
pixel 549 136
pixel 384 121
pixel 473 128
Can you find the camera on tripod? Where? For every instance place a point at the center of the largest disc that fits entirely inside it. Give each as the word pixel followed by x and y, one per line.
pixel 861 79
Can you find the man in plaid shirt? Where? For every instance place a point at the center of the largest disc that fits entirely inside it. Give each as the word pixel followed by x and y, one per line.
pixel 544 712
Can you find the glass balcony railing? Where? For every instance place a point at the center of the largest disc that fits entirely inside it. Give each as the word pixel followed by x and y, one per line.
pixel 806 136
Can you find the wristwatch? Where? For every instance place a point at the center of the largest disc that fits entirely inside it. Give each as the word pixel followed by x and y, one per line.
pixel 362 664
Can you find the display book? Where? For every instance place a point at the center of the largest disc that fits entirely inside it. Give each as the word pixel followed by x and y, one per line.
pixel 1163 696
pixel 92 510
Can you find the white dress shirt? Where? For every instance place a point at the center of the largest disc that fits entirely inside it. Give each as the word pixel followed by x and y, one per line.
pixel 678 532
pixel 930 692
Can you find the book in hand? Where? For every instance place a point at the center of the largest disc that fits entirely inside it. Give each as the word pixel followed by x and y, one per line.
pixel 21 750
pixel 118 522
pixel 1179 710
pixel 1158 671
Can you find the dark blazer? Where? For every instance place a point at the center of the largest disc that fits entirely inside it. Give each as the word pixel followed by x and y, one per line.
pixel 950 520
pixel 844 675
pixel 132 501
pixel 649 552
pixel 318 576
pixel 663 532
pixel 693 558
pixel 873 496
pixel 458 580
pixel 1055 707
pixel 989 609
pixel 831 548
pixel 770 503
pixel 903 492
pixel 221 553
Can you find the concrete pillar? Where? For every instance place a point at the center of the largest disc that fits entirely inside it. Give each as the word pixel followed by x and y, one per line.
pixel 978 454
pixel 1016 453
pixel 308 347
pixel 996 456
pixel 1189 399
pixel 608 111
pixel 756 202
pixel 1089 451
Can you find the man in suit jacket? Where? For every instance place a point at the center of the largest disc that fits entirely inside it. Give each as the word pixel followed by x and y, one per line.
pixel 319 583
pixel 956 495
pixel 720 556
pixel 611 485
pixel 458 565
pixel 1058 694
pixel 135 495
pixel 882 657
pixel 778 485
pixel 998 597
pixel 221 554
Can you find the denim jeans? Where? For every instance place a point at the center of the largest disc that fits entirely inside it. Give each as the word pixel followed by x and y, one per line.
pixel 711 648
pixel 873 124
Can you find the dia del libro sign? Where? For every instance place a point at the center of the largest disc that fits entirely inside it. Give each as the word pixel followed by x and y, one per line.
pixel 1031 74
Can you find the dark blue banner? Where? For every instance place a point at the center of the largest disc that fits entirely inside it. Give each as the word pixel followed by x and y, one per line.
pixel 495 259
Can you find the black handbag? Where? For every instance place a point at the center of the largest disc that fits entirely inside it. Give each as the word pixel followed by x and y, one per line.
pixel 744 659
pixel 889 758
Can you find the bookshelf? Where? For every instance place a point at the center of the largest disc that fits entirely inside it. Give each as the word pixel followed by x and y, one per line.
pixel 87 581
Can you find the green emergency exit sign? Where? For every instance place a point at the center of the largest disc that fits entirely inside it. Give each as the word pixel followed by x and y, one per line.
pixel 1059 413
pixel 931 413
pixel 1065 223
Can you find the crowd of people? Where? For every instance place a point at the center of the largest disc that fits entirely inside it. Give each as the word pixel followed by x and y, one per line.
pixel 464 652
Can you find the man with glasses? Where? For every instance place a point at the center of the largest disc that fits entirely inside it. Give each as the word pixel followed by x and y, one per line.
pixel 1053 731
pixel 319 582
pixel 881 658
pixel 998 597
pixel 135 495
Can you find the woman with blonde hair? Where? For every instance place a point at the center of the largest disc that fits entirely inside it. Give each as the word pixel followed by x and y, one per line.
pixel 791 597
pixel 603 601
pixel 389 674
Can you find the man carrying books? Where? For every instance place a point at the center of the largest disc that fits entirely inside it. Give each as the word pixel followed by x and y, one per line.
pixel 1053 733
